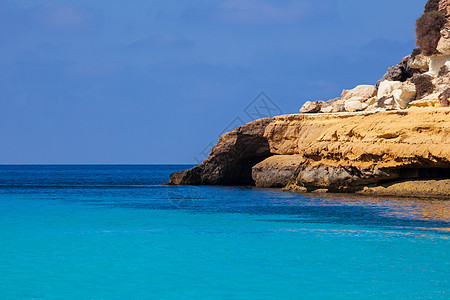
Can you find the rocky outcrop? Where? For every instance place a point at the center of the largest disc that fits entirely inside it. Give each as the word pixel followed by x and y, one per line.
pixel 392 138
pixel 418 76
pixel 311 107
pixel 411 188
pixel 334 152
pixel 232 159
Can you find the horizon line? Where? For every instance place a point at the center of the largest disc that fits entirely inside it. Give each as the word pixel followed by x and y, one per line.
pixel 94 164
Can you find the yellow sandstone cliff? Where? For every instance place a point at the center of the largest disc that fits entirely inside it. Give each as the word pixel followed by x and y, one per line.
pixel 387 153
pixel 391 138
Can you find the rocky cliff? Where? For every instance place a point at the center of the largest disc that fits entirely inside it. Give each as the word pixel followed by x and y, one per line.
pixel 421 79
pixel 346 152
pixel 391 138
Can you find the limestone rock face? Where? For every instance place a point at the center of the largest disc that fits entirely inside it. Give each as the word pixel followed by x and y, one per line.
pixel 337 152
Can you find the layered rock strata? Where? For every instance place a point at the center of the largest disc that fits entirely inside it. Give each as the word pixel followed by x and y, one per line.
pixel 391 138
pixel 346 152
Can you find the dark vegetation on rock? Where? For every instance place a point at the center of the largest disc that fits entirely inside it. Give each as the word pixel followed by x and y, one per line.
pixel 428 31
pixel 432 5
pixel 415 52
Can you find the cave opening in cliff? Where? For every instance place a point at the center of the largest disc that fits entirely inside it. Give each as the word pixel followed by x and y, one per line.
pixel 241 172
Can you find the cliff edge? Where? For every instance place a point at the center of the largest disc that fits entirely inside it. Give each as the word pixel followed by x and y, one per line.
pixel 391 138
pixel 371 153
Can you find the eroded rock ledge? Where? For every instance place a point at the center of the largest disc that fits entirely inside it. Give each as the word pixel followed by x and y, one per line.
pixel 372 153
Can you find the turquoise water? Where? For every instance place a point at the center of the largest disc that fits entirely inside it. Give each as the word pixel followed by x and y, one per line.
pixel 114 232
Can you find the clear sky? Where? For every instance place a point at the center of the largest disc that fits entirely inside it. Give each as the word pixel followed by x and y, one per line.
pixel 156 81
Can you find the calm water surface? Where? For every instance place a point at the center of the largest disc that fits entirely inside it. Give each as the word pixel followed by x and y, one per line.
pixel 115 232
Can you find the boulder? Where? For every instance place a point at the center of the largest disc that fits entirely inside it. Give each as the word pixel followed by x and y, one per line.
pixel 311 107
pixel 362 92
pixel 327 109
pixel 355 105
pixel 405 94
pixel 400 72
pixel 331 101
pixel 387 87
pixel 339 106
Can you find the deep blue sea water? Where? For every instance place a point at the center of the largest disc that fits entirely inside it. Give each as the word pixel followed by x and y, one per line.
pixel 115 232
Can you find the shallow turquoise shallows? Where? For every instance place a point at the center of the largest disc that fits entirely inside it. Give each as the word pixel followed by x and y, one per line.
pixel 115 232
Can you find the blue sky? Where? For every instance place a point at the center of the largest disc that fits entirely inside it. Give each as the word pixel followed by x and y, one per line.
pixel 92 81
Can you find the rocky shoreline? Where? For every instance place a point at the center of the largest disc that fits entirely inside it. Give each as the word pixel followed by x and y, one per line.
pixel 370 153
pixel 392 138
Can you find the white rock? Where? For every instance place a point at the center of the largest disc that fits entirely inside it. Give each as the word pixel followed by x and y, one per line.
pixel 362 92
pixel 436 63
pixel 387 87
pixel 339 106
pixel 404 95
pixel 354 105
pixel 327 109
pixel 389 101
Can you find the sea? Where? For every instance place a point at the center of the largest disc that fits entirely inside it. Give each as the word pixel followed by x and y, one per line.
pixel 117 232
